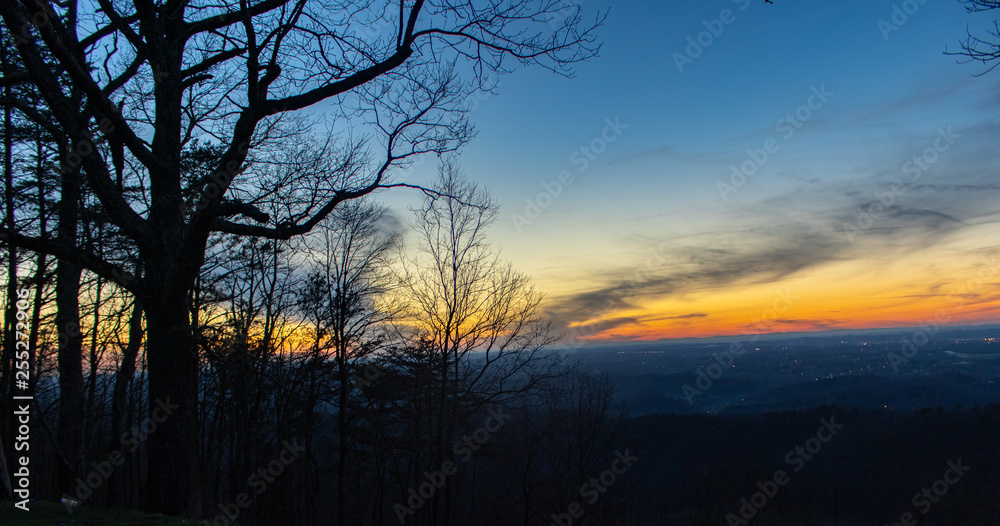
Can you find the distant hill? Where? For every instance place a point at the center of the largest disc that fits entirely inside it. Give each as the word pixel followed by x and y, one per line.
pixel 874 369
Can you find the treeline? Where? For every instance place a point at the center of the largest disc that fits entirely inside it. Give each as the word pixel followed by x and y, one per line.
pixel 936 466
pixel 233 330
pixel 185 225
pixel 343 377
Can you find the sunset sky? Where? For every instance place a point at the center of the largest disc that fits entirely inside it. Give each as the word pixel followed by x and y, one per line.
pixel 647 242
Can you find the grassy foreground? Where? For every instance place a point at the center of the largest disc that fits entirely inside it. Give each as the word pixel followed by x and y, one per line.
pixel 54 514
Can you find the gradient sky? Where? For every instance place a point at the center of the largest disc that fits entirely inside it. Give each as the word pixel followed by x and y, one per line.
pixel 642 244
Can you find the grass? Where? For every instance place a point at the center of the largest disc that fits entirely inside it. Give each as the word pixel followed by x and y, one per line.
pixel 55 514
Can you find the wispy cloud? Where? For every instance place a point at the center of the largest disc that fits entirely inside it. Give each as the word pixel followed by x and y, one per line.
pixel 783 237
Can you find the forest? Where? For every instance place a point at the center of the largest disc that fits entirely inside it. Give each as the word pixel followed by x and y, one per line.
pixel 209 314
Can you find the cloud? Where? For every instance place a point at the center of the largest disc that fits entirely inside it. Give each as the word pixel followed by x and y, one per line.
pixel 784 236
pixel 672 153
pixel 931 91
pixel 680 317
pixel 604 325
pixel 871 213
pixel 687 265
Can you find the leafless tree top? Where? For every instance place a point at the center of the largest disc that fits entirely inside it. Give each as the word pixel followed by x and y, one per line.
pixel 981 48
pixel 145 81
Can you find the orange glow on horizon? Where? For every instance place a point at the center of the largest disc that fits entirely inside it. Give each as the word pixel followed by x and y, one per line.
pixel 850 295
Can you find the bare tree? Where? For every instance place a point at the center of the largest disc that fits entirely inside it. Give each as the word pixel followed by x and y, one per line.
pixel 347 302
pixel 155 75
pixel 981 48
pixel 475 314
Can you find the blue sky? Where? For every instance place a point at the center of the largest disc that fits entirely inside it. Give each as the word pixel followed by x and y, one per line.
pixel 655 188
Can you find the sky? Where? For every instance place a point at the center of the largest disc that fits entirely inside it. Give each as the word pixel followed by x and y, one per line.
pixel 811 166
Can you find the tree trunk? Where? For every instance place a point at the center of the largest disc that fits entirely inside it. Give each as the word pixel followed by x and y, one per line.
pixel 9 343
pixel 91 419
pixel 70 363
pixel 40 279
pixel 173 395
pixel 173 261
pixel 344 433
pixel 69 434
pixel 119 401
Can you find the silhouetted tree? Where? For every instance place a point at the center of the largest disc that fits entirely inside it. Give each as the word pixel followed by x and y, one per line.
pixel 347 302
pixel 153 76
pixel 475 316
pixel 980 48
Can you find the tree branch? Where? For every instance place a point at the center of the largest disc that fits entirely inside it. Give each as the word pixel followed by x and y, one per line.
pixel 75 255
